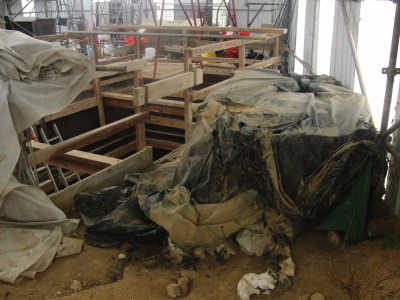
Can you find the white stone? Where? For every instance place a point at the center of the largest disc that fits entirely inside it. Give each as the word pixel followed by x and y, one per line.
pixel 121 256
pixel 317 296
pixel 76 286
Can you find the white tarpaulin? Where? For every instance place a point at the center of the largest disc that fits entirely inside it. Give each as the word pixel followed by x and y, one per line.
pixel 37 78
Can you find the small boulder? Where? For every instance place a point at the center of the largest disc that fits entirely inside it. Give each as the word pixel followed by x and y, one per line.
pixel 173 290
pixel 334 238
pixel 287 267
pixel 317 296
pixel 184 284
pixel 76 286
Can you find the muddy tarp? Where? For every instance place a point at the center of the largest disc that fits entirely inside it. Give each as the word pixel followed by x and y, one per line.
pixel 266 148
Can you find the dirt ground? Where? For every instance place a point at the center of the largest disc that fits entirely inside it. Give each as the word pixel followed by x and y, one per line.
pixel 361 271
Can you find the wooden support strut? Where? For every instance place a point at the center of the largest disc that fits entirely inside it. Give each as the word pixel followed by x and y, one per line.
pixel 111 175
pixel 85 139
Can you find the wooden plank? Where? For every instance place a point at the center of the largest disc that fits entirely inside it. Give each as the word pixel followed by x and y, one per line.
pixel 94 44
pixel 116 79
pixel 123 150
pixel 87 138
pixel 167 86
pixel 140 130
pixel 139 96
pixel 265 63
pixel 223 45
pixel 197 28
pixel 242 56
pixel 110 176
pixel 72 109
pixel 166 122
pixel 119 96
pixel 166 102
pixel 82 157
pixel 117 59
pixel 99 98
pixel 131 66
pixel 118 103
pixel 275 51
pixel 162 109
pixel 258 45
pixel 223 59
pixel 53 37
pixel 202 94
pixel 167 145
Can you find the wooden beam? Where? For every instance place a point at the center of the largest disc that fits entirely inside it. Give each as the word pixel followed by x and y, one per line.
pixel 119 96
pixel 265 63
pixel 118 103
pixel 168 86
pixel 86 158
pixel 279 31
pixel 123 150
pixel 99 97
pixel 258 45
pixel 53 37
pixel 117 59
pixel 138 64
pixel 202 94
pixel 110 176
pixel 86 138
pixel 275 51
pixel 174 123
pixel 223 59
pixel 73 108
pixel 162 144
pixel 223 45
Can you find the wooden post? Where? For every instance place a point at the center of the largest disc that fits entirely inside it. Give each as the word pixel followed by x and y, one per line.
pixel 93 43
pixel 140 127
pixel 276 51
pixel 99 99
pixel 242 56
pixel 187 99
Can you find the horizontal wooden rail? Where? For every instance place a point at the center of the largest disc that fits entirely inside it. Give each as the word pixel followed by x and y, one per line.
pixel 85 138
pixel 223 45
pixel 197 28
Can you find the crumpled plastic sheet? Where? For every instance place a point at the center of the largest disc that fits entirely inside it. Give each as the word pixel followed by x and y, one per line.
pixel 289 147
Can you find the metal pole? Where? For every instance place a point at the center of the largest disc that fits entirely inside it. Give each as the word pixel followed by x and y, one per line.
pixel 391 71
pixel 158 40
pixel 184 11
pixel 311 70
pixel 234 12
pixel 153 13
pixel 314 51
pixel 193 13
pixel 353 49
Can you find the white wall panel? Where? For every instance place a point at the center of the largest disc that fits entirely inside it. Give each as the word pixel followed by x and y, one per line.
pixel 342 63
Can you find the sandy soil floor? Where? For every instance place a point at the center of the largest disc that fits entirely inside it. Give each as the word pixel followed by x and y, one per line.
pixel 361 271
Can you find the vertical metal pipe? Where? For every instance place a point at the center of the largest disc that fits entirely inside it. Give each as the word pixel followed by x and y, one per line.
pixel 193 13
pixel 184 11
pixel 234 13
pixel 153 13
pixel 353 49
pixel 314 50
pixel 158 40
pixel 391 70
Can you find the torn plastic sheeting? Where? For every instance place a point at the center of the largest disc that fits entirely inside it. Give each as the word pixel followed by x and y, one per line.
pixel 112 217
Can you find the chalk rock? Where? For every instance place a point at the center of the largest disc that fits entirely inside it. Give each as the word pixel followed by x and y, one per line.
pixel 121 256
pixel 173 290
pixel 184 284
pixel 287 267
pixel 317 296
pixel 76 286
pixel 334 238
pixel 252 283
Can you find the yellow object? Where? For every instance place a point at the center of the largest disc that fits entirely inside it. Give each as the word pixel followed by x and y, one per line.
pixel 211 54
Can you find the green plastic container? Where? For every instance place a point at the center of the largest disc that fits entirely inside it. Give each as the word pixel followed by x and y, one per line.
pixel 350 216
